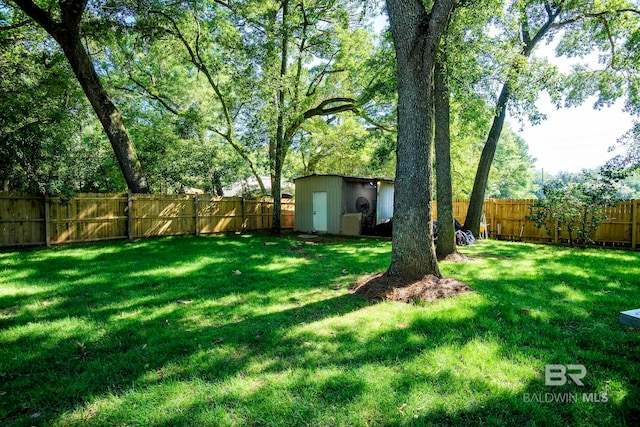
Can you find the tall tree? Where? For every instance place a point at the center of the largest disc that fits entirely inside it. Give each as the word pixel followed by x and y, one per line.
pixel 189 61
pixel 444 187
pixel 416 34
pixel 64 25
pixel 529 41
pixel 590 22
pixel 40 114
pixel 300 96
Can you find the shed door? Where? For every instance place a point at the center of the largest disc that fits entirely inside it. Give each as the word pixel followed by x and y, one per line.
pixel 320 211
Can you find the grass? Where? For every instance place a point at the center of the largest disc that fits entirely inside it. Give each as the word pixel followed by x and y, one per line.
pixel 163 332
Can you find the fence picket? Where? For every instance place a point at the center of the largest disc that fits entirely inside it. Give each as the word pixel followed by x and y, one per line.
pixel 36 220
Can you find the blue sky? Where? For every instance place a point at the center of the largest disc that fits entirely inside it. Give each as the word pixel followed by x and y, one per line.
pixel 572 139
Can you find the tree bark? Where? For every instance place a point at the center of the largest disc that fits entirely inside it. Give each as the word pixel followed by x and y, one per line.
pixel 66 33
pixel 416 35
pixel 108 114
pixel 278 151
pixel 476 202
pixel 446 229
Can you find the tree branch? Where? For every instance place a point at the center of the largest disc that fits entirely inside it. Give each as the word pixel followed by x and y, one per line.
pixel 602 16
pixel 14 26
pixel 372 122
pixel 71 14
pixel 321 110
pixel 317 80
pixel 575 19
pixel 301 49
pixel 438 21
pixel 244 153
pixel 524 28
pixel 38 14
pixel 612 44
pixel 253 23
pixel 154 96
pixel 197 60
pixel 548 25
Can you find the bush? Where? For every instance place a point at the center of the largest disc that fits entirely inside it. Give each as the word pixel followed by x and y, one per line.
pixel 577 207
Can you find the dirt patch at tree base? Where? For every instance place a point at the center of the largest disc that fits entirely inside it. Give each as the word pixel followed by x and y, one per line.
pixel 382 287
pixel 458 257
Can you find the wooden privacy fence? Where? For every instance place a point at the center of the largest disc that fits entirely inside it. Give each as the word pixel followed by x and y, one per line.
pixel 506 219
pixel 38 220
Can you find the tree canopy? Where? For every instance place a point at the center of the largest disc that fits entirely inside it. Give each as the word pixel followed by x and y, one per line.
pixel 160 96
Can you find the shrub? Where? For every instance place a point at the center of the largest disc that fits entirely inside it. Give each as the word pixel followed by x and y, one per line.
pixel 577 207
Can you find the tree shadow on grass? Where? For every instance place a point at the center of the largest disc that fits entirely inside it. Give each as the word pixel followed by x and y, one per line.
pixel 93 324
pixel 313 358
pixel 321 372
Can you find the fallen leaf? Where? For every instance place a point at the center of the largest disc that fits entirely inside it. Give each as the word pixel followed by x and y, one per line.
pixel 237 272
pixel 526 310
pixel 184 301
pixel 401 408
pixel 269 244
pixel 344 271
pixel 218 341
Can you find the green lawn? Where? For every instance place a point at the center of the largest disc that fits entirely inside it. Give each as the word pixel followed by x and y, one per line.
pixel 163 332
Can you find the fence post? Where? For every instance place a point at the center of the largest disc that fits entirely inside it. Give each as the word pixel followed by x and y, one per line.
pixel 129 215
pixel 494 214
pixel 47 221
pixel 555 232
pixel 195 204
pixel 244 215
pixel 634 224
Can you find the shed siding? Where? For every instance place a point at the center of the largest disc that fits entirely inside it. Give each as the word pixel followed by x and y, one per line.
pixel 385 201
pixel 305 187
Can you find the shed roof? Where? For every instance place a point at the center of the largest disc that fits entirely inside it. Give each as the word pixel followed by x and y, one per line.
pixel 348 178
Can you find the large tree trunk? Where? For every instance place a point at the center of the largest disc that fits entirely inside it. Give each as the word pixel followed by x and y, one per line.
pixel 416 35
pixel 277 152
pixel 108 114
pixel 446 230
pixel 276 193
pixel 66 33
pixel 476 202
